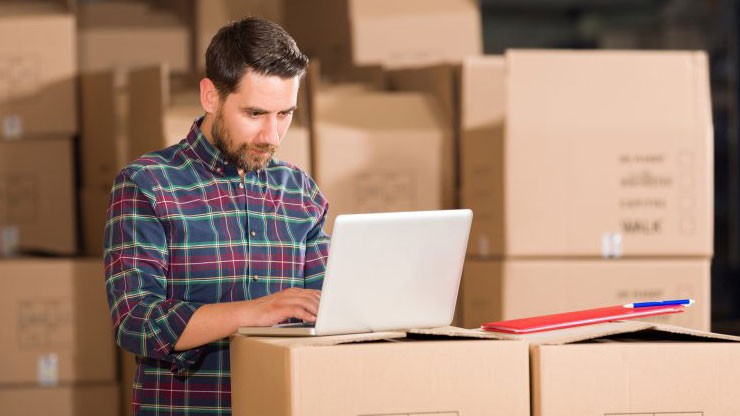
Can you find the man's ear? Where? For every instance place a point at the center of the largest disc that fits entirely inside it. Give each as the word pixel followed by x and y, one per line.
pixel 209 97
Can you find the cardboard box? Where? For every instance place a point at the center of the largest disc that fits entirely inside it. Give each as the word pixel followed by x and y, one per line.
pixel 111 35
pixel 634 368
pixel 496 290
pixel 94 207
pixel 344 34
pixel 442 82
pixel 57 324
pixel 103 138
pixel 390 161
pixel 350 375
pixel 629 368
pixel 211 15
pixel 128 371
pixel 37 195
pixel 482 115
pixel 607 153
pixel 38 69
pixel 84 400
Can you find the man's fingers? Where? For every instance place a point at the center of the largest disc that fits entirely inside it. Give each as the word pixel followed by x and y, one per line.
pixel 303 315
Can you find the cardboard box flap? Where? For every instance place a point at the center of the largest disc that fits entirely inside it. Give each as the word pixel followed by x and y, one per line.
pixel 328 340
pixel 619 330
pixel 694 333
pixel 455 332
pixel 481 103
pixel 383 111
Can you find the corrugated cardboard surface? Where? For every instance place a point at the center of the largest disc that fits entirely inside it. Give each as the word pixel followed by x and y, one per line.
pixel 423 32
pixel 37 193
pixel 56 321
pixel 94 206
pixel 377 152
pixel 87 400
pixel 440 376
pixel 125 34
pixel 103 132
pixel 605 153
pixel 149 95
pixel 496 290
pixel 38 90
pixel 346 35
pixel 128 372
pixel 652 371
pixel 440 81
pixel 211 15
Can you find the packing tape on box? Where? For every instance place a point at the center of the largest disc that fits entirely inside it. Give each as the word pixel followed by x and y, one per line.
pixel 12 127
pixel 9 240
pixel 48 369
pixel 611 245
pixel 484 246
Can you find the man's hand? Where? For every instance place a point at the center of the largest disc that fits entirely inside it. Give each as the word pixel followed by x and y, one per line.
pixel 290 303
pixel 219 320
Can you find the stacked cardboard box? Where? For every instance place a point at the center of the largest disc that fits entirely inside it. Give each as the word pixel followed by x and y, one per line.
pixel 127 34
pixel 58 353
pixel 346 35
pixel 212 14
pixel 391 161
pixel 103 150
pixel 601 155
pixel 38 118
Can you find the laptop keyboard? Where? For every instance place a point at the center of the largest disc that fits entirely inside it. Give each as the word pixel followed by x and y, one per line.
pixel 296 325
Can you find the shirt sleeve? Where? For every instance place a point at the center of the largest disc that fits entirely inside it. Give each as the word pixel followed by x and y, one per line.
pixel 317 242
pixel 145 321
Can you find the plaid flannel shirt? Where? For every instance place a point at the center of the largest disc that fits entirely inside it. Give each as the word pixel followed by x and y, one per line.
pixel 183 230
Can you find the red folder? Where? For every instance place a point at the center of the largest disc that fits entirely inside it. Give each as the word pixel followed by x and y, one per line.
pixel 577 318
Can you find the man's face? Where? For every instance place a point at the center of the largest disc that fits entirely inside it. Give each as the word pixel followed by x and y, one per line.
pixel 250 122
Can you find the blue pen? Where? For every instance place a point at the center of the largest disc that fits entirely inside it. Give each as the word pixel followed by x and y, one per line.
pixel 684 302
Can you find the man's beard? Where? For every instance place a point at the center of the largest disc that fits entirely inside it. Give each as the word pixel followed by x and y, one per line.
pixel 240 155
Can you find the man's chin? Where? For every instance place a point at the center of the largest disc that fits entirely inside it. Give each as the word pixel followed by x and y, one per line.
pixel 255 165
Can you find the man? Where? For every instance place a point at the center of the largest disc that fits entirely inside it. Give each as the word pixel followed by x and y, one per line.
pixel 212 233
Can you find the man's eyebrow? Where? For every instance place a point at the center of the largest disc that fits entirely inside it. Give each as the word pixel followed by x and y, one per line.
pixel 254 110
pixel 263 111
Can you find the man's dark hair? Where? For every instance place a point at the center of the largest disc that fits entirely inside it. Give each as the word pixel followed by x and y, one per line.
pixel 254 44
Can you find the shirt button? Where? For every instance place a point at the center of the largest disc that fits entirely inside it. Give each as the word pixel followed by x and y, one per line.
pixel 241 185
pixel 252 233
pixel 254 277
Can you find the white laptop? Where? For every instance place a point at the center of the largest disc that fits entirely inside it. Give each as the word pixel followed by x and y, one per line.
pixel 388 271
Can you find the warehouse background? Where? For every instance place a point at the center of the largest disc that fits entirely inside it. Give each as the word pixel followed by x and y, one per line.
pixel 88 85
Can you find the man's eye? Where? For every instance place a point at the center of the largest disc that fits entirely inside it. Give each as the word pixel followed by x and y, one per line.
pixel 285 114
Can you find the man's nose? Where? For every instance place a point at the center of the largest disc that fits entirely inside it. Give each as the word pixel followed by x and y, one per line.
pixel 269 131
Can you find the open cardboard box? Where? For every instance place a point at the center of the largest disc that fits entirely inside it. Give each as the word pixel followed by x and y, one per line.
pixel 389 373
pixel 629 368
